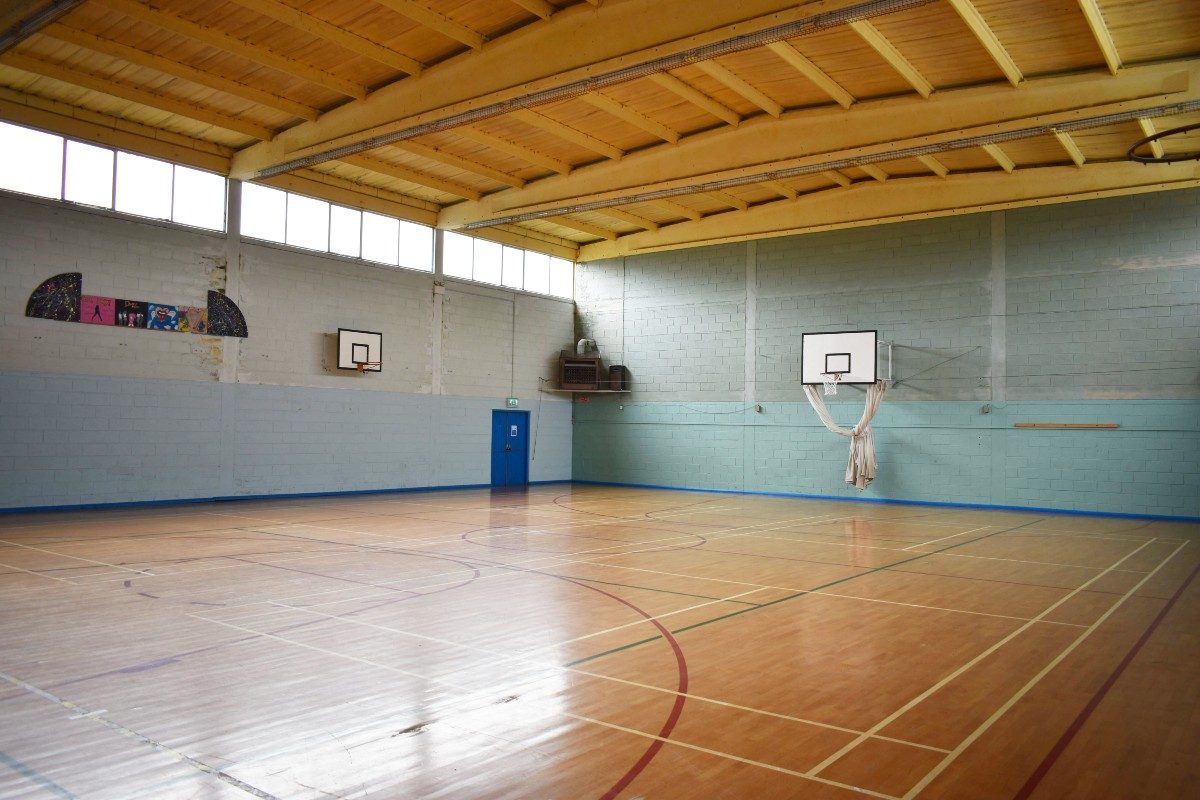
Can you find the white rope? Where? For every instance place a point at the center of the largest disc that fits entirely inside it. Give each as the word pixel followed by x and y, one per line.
pixel 860 469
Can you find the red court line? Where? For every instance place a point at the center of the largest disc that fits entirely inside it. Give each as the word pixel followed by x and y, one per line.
pixel 1061 745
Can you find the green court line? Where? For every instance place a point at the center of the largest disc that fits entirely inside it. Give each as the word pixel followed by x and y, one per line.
pixel 664 591
pixel 870 571
pixel 34 776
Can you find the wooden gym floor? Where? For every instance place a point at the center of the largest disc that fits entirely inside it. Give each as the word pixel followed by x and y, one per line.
pixel 594 642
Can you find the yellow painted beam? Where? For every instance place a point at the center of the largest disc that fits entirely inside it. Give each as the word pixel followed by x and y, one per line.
pixel 231 44
pixel 729 199
pixel 96 83
pixel 935 166
pixel 315 26
pixel 514 149
pixel 634 118
pixel 782 189
pixel 1000 157
pixel 808 69
pixel 632 219
pixel 902 199
pixel 1071 147
pixel 538 7
pixel 869 127
pixel 837 177
pixel 678 209
pixel 584 227
pixel 102 129
pixel 412 176
pixel 458 162
pixel 1148 129
pixel 737 84
pixel 987 37
pixel 177 69
pixel 875 172
pixel 567 133
pixel 885 48
pixel 580 51
pixel 447 27
pixel 696 97
pixel 1095 21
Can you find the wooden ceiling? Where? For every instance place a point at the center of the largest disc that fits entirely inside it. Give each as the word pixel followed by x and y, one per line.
pixel 608 127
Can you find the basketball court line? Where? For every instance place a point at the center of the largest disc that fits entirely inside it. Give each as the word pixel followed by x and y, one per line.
pixel 74 558
pixel 1034 681
pixel 964 668
pixel 856 545
pixel 40 574
pixel 944 538
pixel 97 716
pixel 529 656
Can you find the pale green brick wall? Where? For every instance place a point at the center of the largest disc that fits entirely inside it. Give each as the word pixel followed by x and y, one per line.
pixel 1084 312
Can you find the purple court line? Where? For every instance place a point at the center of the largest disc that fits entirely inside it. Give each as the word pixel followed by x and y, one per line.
pixel 1073 729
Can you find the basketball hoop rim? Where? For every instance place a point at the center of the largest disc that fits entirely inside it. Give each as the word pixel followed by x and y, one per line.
pixel 361 366
pixel 1131 154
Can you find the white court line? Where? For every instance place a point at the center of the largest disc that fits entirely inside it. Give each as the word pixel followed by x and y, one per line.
pixel 925 695
pixel 529 656
pixel 944 538
pixel 41 575
pixel 1024 690
pixel 75 558
pixel 943 608
pixel 856 545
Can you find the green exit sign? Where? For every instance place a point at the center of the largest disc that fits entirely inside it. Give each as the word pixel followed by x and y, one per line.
pixel 513 402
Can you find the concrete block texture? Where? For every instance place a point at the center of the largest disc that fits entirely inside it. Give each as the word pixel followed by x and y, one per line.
pixel 1084 312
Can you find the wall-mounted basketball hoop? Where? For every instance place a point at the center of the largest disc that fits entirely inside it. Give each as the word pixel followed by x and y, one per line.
pixel 1133 155
pixel 360 350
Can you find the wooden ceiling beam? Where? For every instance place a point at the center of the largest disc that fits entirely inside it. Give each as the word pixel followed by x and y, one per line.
pixel 1148 129
pixel 987 37
pixel 728 199
pixel 1100 32
pixel 1071 147
pixel 584 47
pixel 435 22
pixel 871 35
pixel 678 209
pixel 869 127
pixel 567 133
pixel 167 66
pixel 875 172
pixel 999 156
pixel 458 162
pixel 741 87
pixel 696 97
pixel 514 149
pixel 632 219
pixel 231 44
pixel 808 69
pixel 20 19
pixel 903 199
pixel 314 26
pixel 537 7
pixel 96 83
pixel 935 166
pixel 109 131
pixel 412 176
pixel 837 177
pixel 584 227
pixel 627 114
pixel 782 189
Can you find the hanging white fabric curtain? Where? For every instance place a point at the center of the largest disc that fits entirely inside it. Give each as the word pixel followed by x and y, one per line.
pixel 860 470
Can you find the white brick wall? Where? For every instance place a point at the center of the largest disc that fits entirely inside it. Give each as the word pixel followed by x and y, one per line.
pixel 93 414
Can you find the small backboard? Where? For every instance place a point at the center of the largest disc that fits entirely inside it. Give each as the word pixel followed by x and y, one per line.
pixel 360 350
pixel 851 356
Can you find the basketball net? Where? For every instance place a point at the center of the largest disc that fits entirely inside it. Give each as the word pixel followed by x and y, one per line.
pixel 830 379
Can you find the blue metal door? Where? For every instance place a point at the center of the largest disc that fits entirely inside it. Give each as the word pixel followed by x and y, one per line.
pixel 510 448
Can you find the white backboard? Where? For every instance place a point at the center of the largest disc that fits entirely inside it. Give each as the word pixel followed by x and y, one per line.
pixel 855 353
pixel 356 346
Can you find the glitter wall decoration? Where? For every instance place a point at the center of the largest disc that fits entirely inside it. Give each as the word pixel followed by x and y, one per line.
pixel 61 298
pixel 57 298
